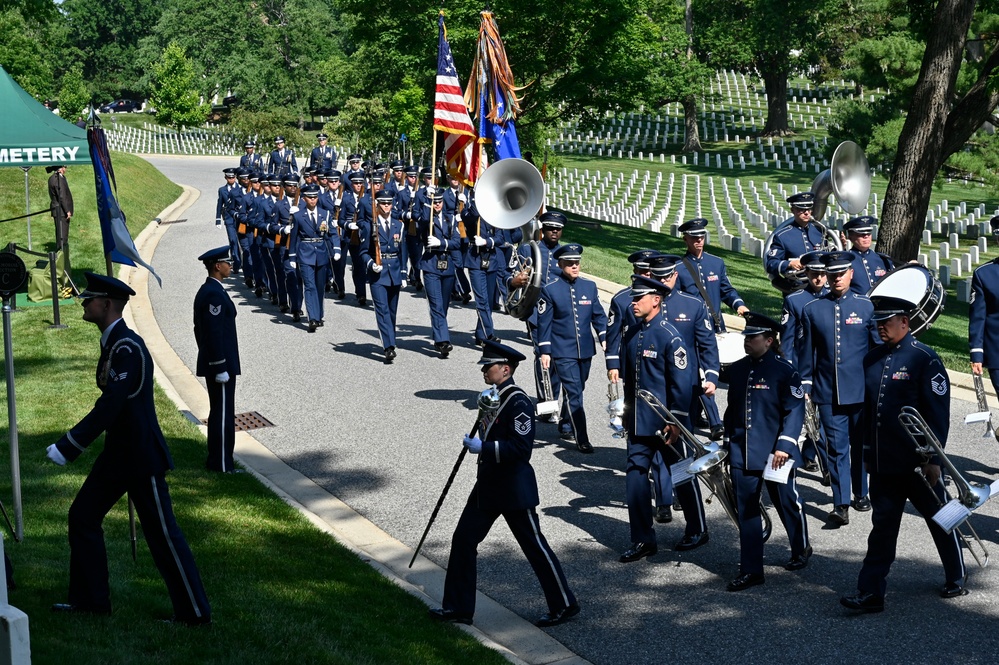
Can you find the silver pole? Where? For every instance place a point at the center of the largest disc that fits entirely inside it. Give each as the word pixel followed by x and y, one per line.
pixel 27 201
pixel 15 458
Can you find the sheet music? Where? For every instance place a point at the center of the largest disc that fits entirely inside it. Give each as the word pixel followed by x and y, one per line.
pixel 993 488
pixel 681 471
pixel 777 475
pixel 951 515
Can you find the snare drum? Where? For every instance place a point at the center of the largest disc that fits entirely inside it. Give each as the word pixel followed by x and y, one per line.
pixel 917 285
pixel 731 347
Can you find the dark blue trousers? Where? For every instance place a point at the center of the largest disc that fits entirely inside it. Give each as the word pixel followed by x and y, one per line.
pixel 357 271
pixel 484 289
pixel 845 463
pixel 221 424
pixel 314 287
pixel 438 300
pixel 748 486
pixel 573 373
pixel 639 493
pixel 280 281
pixel 234 250
pixel 386 300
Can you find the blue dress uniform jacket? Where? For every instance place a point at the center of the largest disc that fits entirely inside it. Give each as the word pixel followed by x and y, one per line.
pixel 282 162
pixel 393 251
pixel 655 357
pixel 223 208
pixel 504 478
pixel 690 316
pixel 714 277
pixel 566 311
pixel 485 267
pixel 324 158
pixel 868 269
pixel 983 317
pixel 253 162
pixel 218 352
pixel 309 245
pixel 834 336
pixel 791 319
pixel 620 317
pixel 789 243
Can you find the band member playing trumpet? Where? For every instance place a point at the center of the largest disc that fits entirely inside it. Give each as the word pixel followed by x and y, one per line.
pixel 505 486
pixel 902 372
pixel 654 358
pixel 766 408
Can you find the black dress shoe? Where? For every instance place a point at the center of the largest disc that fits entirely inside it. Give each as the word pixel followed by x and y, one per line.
pixel 717 432
pixel 450 616
pixel 390 354
pixel 284 309
pixel 80 609
pixel 313 325
pixel 361 302
pixel 664 514
pixel 418 286
pixel 296 317
pixel 745 581
pixel 826 480
pixel 840 516
pixel 811 466
pixel 861 505
pixel 584 447
pixel 465 299
pixel 555 618
pixel 320 323
pixel 692 542
pixel 865 602
pixel 249 283
pixel 800 561
pixel 953 590
pixel 444 348
pixel 273 300
pixel 638 551
pixel 340 294
pixel 259 292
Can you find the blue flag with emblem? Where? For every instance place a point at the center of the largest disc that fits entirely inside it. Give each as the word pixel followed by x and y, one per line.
pixel 493 92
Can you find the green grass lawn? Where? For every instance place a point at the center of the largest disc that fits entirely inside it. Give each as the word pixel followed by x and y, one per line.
pixel 281 590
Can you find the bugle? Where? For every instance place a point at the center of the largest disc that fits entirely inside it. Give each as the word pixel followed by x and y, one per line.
pixel 708 464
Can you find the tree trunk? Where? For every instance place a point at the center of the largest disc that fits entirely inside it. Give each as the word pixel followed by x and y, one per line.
pixel 775 84
pixel 920 145
pixel 691 135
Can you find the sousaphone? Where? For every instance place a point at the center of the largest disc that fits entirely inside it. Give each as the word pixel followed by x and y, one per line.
pixel 508 196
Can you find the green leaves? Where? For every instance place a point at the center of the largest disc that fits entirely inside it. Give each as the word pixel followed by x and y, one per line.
pixel 175 93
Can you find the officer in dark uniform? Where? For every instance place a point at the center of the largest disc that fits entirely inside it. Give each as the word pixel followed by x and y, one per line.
pixel 310 236
pixel 386 277
pixel 568 307
pixel 251 160
pixel 484 263
pixel 264 212
pixel 654 358
pixel 766 408
pixel 620 315
pixel 331 200
pixel 505 486
pixel 902 372
pixel 407 210
pixel 243 213
pixel 323 156
pixel 349 223
pixel 134 460
pixel 704 274
pixel 398 179
pixel 218 357
pixel 286 208
pixel 868 266
pixel 225 208
pixel 983 316
pixel 253 223
pixel 790 242
pixel 835 333
pixel 455 201
pixel 437 266
pixel 276 219
pixel 353 165
pixel 282 160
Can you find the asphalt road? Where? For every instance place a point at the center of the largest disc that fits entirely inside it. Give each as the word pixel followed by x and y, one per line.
pixel 383 439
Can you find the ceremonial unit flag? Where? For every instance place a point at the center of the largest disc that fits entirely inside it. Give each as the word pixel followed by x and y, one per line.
pixel 493 92
pixel 461 150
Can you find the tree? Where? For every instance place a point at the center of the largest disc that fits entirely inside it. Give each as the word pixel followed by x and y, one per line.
pixel 22 54
pixel 364 124
pixel 175 90
pixel 408 108
pixel 73 96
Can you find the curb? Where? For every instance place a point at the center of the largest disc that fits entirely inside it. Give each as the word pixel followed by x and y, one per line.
pixel 500 627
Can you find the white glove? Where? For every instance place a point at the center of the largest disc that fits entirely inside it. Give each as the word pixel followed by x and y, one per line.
pixel 336 256
pixel 473 443
pixel 52 452
pixel 286 229
pixel 431 189
pixel 480 241
pixel 218 222
pixel 462 198
pixel 376 268
pixel 433 241
pixel 294 209
pixel 407 215
pixel 338 201
pixel 292 264
pixel 352 226
pixel 222 377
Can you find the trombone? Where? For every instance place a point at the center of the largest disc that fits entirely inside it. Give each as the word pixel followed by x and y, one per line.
pixel 707 465
pixel 970 496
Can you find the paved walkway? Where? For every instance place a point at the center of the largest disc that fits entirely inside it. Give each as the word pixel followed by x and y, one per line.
pixel 359 444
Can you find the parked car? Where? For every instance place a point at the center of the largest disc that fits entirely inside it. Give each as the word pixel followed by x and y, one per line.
pixel 121 106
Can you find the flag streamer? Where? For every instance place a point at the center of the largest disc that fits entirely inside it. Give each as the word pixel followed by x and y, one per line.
pixel 491 91
pixel 462 153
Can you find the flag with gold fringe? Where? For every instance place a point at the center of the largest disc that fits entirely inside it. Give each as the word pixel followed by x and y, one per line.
pixel 461 149
pixel 491 92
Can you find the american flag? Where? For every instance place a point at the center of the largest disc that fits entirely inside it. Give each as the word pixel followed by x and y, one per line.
pixel 461 149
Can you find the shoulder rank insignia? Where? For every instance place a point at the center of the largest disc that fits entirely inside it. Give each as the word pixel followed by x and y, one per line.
pixel 680 358
pixel 939 384
pixel 215 310
pixel 522 424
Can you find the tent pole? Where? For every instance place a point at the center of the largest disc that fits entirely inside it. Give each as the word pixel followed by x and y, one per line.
pixel 27 201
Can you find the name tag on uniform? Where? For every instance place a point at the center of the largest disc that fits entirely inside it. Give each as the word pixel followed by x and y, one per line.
pixel 650 353
pixel 585 301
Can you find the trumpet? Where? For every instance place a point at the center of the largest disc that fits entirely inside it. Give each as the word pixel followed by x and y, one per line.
pixel 984 412
pixel 970 496
pixel 615 409
pixel 708 463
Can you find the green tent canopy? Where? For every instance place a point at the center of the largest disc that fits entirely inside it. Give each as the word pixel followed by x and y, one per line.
pixel 31 135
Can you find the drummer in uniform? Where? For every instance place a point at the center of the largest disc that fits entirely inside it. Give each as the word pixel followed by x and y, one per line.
pixel 791 241
pixel 868 265
pixel 983 317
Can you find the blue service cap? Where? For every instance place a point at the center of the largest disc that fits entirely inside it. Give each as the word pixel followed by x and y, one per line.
pixel 426 171
pixel 643 286
pixel 333 174
pixel 290 181
pixel 309 170
pixel 384 195
pixel 397 165
pixel 438 196
pixel 664 265
pixel 310 191
pixel 696 227
pixel 886 307
pixel 813 261
pixel 229 171
pixel 273 179
pixel 255 176
pixel 243 172
pixel 103 286
pixel 758 324
pixel 837 262
pixel 570 252
pixel 217 254
pixel 803 200
pixel 250 144
pixel 412 170
pixel 494 352
pixel 278 139
pixel 356 177
pixel 553 219
pixel 354 157
pixel 640 259
pixel 322 136
pixel 863 225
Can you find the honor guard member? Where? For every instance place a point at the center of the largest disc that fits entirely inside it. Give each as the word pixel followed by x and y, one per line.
pixel 655 358
pixel 705 275
pixel 794 302
pixel 273 227
pixel 868 266
pixel 407 210
pixel 332 199
pixel 251 160
pixel 134 460
pixel 385 277
pixel 310 233
pixel 834 335
pixel 398 179
pixel 225 210
pixel 61 207
pixel 620 316
pixel 790 242
pixel 353 165
pixel 253 223
pixel 484 262
pixel 309 175
pixel 243 214
pixel 455 201
pixel 506 486
pixel 349 223
pixel 265 212
pixel 983 316
pixel 282 160
pixel 218 357
pixel 766 408
pixel 438 268
pixel 902 372
pixel 552 224
pixel 568 307
pixel 292 281
pixel 323 156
